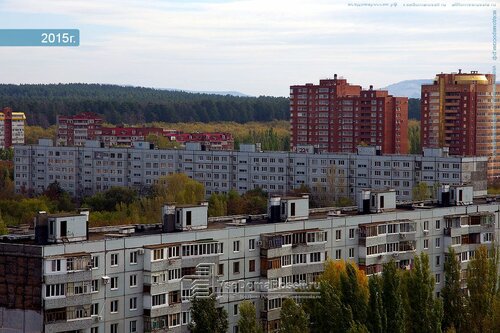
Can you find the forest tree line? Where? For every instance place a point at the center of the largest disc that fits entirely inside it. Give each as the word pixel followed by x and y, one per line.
pixel 137 105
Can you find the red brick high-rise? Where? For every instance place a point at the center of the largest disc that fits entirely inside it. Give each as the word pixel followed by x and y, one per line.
pixel 336 116
pixel 457 111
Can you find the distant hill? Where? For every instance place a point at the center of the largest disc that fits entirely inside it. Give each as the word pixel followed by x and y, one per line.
pixel 222 93
pixel 407 88
pixel 136 105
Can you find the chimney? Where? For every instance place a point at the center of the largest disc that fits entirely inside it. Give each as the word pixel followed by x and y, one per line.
pixel 335 76
pixel 371 87
pixel 459 71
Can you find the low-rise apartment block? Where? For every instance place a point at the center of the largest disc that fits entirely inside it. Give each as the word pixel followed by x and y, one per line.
pixel 90 169
pixel 140 278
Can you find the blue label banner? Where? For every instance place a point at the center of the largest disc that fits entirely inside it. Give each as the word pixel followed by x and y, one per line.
pixel 39 37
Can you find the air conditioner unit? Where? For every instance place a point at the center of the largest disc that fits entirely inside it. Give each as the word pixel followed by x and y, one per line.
pixel 96 318
pixel 426 232
pixel 105 279
pixel 88 267
pixel 395 254
pixel 140 251
pixel 259 243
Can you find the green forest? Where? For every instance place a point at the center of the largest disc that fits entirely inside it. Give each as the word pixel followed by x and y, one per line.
pixel 137 105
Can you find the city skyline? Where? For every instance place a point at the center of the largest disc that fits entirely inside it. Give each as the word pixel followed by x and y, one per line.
pixel 254 47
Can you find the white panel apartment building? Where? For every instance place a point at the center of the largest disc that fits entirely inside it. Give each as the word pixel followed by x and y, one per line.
pixel 130 279
pixel 90 169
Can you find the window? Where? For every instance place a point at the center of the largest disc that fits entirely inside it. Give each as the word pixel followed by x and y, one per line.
pixel 94 330
pixel 438 278
pixel 114 306
pixel 114 328
pixel 188 218
pixel 338 254
pixel 351 252
pixel 286 260
pixel 438 242
pixel 438 260
pixel 114 283
pixel 292 209
pixel 133 258
pixel 236 246
pixel 55 290
pixel 94 309
pixel 94 261
pixel 426 243
pixel 426 225
pixel 315 257
pixel 173 252
pixel 235 309
pixel 133 326
pixel 251 266
pixel 56 265
pixel 186 317
pixel 114 259
pixel 158 254
pixel 133 303
pixel 251 244
pixel 438 224
pixel 174 274
pixel 236 267
pixel 159 300
pixel 351 233
pixel 221 269
pixel 338 234
pixel 174 319
pixel 133 280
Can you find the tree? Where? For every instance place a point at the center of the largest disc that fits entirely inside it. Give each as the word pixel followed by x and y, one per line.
pixel 482 285
pixel 425 312
pixel 376 315
pixel 179 188
pixel 217 205
pixel 162 142
pixel 293 318
pixel 354 293
pixel 453 300
pixel 327 314
pixel 421 192
pixel 357 328
pixel 392 298
pixel 3 226
pixel 207 317
pixel 248 320
pixel 414 136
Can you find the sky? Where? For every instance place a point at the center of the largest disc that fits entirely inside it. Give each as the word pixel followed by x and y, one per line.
pixel 257 47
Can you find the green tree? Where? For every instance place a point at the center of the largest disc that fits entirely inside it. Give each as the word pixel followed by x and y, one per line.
pixel 293 318
pixel 207 317
pixel 179 188
pixel 425 314
pixel 217 205
pixel 392 298
pixel 421 192
pixel 353 294
pixel 453 299
pixel 357 328
pixel 376 314
pixel 248 319
pixel 3 226
pixel 327 314
pixel 482 285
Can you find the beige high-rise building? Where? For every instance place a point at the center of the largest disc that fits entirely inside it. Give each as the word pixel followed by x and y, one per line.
pixel 459 112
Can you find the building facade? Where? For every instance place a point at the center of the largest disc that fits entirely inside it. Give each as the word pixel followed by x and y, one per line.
pixel 11 128
pixel 91 169
pixel 459 111
pixel 68 278
pixel 75 130
pixel 336 116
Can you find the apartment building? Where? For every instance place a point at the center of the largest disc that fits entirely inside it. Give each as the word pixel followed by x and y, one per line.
pixel 11 128
pixel 460 111
pixel 75 130
pixel 140 278
pixel 336 116
pixel 90 169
